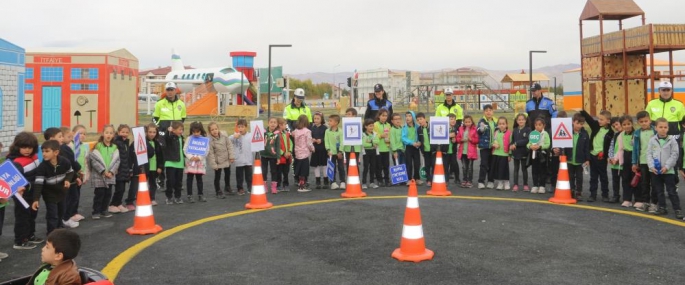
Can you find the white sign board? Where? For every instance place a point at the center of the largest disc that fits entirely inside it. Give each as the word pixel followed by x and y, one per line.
pixel 352 131
pixel 439 130
pixel 257 135
pixel 562 132
pixel 140 145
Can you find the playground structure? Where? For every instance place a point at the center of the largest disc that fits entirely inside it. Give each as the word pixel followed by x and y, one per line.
pixel 615 75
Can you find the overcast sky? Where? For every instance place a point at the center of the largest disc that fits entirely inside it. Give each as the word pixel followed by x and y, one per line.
pixel 355 34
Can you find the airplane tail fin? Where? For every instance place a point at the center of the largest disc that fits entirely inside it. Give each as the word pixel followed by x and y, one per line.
pixel 176 63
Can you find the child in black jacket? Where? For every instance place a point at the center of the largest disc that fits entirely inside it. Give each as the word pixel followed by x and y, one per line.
pixel 174 162
pixel 519 140
pixel 53 178
pixel 600 141
pixel 125 168
pixel 135 173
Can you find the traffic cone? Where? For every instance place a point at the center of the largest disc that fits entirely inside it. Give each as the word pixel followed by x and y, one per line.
pixel 354 188
pixel 412 244
pixel 562 194
pixel 439 187
pixel 258 196
pixel 144 221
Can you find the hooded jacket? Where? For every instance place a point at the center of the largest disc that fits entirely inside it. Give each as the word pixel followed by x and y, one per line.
pixel 97 165
pixel 220 151
pixel 125 165
pixel 375 104
pixel 242 147
pixel 50 180
pixel 472 149
pixel 636 144
pixel 519 138
pixel 666 153
pixel 485 131
pixel 405 132
pixel 595 127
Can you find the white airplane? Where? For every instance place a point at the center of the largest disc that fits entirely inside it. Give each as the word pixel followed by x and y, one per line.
pixel 224 79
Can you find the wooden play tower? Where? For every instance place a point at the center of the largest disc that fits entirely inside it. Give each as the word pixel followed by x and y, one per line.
pixel 614 65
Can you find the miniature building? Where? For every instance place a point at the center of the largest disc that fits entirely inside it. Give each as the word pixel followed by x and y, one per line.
pixel 11 91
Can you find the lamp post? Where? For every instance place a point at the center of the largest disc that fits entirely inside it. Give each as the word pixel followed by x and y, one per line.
pixel 340 89
pixel 530 69
pixel 268 113
pixel 334 67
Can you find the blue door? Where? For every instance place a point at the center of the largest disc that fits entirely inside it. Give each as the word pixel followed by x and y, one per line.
pixel 52 106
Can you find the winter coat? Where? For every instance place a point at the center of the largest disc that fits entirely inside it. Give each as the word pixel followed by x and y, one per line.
pixel 272 144
pixel 243 150
pixel 64 273
pixel 519 138
pixel 319 133
pixel 125 165
pixel 220 151
pixel 50 180
pixel 472 150
pixel 194 167
pixel 667 154
pixel 594 126
pixel 135 168
pixel 484 134
pixel 582 148
pixel 303 143
pixel 172 148
pixel 96 163
pixel 636 145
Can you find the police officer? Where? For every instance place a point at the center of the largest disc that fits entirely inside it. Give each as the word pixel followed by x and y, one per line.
pixel 169 109
pixel 540 107
pixel 665 106
pixel 296 108
pixel 380 101
pixel 450 107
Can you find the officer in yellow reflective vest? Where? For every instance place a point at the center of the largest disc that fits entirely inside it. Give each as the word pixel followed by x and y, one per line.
pixel 296 108
pixel 449 106
pixel 667 107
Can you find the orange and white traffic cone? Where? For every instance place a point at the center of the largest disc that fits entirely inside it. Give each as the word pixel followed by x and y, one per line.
pixel 562 194
pixel 412 244
pixel 258 196
pixel 353 188
pixel 144 221
pixel 439 187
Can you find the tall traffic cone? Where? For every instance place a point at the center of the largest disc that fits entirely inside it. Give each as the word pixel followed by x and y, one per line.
pixel 439 187
pixel 354 188
pixel 562 194
pixel 144 221
pixel 412 244
pixel 258 196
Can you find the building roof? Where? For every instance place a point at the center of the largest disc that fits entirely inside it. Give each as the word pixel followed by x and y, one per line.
pixel 81 51
pixel 161 70
pixel 657 62
pixel 523 77
pixel 6 45
pixel 610 10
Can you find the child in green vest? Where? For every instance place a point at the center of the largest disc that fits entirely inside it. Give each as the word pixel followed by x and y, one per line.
pixel 382 128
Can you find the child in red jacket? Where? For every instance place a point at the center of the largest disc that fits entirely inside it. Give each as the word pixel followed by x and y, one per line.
pixel 467 149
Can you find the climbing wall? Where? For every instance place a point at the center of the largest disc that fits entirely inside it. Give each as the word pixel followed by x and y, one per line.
pixel 615 100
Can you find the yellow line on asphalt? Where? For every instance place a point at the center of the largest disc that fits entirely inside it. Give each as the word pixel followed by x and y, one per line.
pixel 114 267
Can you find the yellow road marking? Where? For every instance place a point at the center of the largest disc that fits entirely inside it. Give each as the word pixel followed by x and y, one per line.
pixel 114 267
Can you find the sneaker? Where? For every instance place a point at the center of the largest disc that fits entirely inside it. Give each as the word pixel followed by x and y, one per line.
pixel 303 190
pixel 35 240
pixel 419 182
pixel 221 196
pixel 77 217
pixel 541 190
pixel 579 197
pixel 178 201
pixel 626 204
pixel 500 186
pixel 678 214
pixel 3 255
pixel 373 185
pixel 131 207
pixel 70 224
pixel 653 208
pixel 363 186
pixel 491 185
pixel 231 193
pixel 638 205
pixel 95 216
pixel 591 199
pixel 154 203
pixel 534 190
pixel 169 201
pixel 25 245
pixel 605 200
pixel 660 212
pixel 481 186
pixel 469 185
pixel 614 199
pixel 642 207
pixel 515 188
pixel 241 192
pixel 334 186
pixel 190 199
pixel 123 209
pixel 343 186
pixel 106 214
pixel 526 188
pixel 506 185
pixel 113 209
pixel 201 198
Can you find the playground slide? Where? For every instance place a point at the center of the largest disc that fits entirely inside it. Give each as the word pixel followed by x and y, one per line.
pixel 247 100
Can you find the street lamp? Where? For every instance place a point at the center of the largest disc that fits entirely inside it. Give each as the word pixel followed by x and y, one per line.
pixel 530 68
pixel 268 113
pixel 340 89
pixel 334 67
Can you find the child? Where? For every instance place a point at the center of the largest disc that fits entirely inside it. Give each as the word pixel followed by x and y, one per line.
pixel 125 170
pixel 81 152
pixel 57 257
pixel 645 198
pixel 412 147
pixel 270 155
pixel 500 159
pixel 351 113
pixel 540 161
pixel 22 153
pixel 71 200
pixel 615 160
pixel 333 139
pixel 382 128
pixel 578 156
pixel 318 159
pixel 624 140
pixel 599 149
pixel 303 150
pixel 467 149
pixel 396 145
pixel 285 159
pixel 220 157
pixel 519 140
pixel 136 170
pixel 52 183
pixel 370 144
pixel 486 129
pixel 156 162
pixel 451 162
pixel 424 139
pixel 243 160
pixel 662 155
pixel 174 162
pixel 104 165
pixel 195 164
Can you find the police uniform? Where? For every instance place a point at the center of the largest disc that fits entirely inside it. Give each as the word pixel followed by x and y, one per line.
pixel 672 110
pixel 168 111
pixel 291 113
pixel 540 108
pixel 374 105
pixel 444 110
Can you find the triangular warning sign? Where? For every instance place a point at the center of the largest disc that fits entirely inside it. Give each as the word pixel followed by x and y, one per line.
pixel 257 135
pixel 562 133
pixel 142 147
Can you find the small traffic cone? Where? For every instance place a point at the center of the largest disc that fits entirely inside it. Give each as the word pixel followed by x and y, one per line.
pixel 562 194
pixel 412 244
pixel 439 187
pixel 144 221
pixel 258 196
pixel 354 188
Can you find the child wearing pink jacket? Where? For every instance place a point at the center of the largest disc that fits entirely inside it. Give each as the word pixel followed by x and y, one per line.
pixel 303 150
pixel 467 149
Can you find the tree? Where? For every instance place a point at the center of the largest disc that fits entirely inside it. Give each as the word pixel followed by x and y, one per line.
pixel 312 91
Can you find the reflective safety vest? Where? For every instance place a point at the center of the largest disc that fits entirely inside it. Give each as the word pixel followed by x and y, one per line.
pixel 443 111
pixel 671 110
pixel 291 113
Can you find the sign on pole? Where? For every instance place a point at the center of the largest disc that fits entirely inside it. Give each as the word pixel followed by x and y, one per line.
pixel 330 170
pixel 352 131
pixel 439 130
pixel 562 135
pixel 257 135
pixel 534 138
pixel 10 181
pixel 198 146
pixel 398 174
pixel 140 145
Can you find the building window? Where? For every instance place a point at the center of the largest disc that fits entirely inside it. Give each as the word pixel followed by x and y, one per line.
pixel 84 87
pixel 28 86
pixel 122 74
pixel 175 76
pixel 114 74
pixel 93 87
pixel 29 73
pixel 93 73
pixel 51 74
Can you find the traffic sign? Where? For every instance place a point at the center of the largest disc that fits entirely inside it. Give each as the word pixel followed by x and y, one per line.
pixel 140 145
pixel 562 137
pixel 257 135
